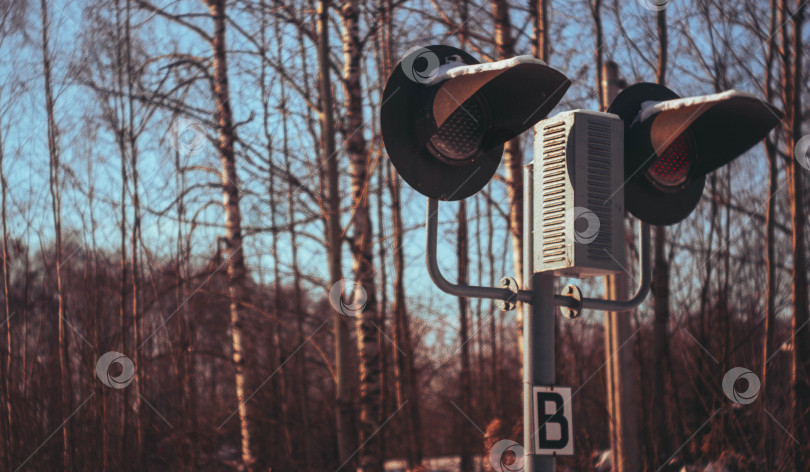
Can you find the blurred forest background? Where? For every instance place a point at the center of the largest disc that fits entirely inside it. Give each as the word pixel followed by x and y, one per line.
pixel 184 181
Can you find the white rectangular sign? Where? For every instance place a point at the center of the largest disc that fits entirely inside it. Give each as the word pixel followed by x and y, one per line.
pixel 553 427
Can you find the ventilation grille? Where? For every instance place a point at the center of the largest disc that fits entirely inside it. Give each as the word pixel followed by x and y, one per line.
pixel 599 188
pixel 553 188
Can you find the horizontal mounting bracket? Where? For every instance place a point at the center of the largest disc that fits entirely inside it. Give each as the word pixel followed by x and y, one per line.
pixel 525 296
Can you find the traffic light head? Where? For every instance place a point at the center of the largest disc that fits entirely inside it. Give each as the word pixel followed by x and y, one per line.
pixel 672 143
pixel 445 117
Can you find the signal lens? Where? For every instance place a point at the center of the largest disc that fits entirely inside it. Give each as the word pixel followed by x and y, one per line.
pixel 458 140
pixel 671 169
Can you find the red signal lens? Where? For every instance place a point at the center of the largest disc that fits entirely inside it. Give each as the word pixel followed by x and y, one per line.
pixel 458 141
pixel 671 169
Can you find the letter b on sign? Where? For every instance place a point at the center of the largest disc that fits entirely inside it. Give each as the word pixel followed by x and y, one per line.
pixel 552 421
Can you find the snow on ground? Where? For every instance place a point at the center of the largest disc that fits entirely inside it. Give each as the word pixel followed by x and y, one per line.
pixel 435 464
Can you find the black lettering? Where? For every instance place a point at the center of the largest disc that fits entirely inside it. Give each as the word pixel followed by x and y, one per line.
pixel 556 417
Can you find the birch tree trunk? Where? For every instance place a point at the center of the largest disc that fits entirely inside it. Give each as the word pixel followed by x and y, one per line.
pixel 140 371
pixel 237 272
pixel 346 432
pixel 366 323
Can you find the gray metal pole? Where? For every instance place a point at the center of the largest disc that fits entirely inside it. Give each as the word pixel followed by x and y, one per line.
pixel 538 362
pixel 538 333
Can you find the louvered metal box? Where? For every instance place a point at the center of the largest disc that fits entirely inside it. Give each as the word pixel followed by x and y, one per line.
pixel 578 227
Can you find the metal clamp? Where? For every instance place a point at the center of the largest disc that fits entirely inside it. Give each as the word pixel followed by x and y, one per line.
pixel 572 292
pixel 510 284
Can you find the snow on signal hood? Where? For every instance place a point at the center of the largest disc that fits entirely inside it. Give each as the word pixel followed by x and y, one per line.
pixel 652 107
pixel 455 69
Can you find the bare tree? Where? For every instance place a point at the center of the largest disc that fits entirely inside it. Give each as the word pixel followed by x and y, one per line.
pixel 622 406
pixel 132 145
pixel 367 323
pixel 539 11
pixel 346 433
pixel 770 146
pixel 513 155
pixel 791 50
pixel 407 395
pixel 463 257
pixel 7 421
pixel 56 211
pixel 662 445
pixel 237 272
pixel 709 279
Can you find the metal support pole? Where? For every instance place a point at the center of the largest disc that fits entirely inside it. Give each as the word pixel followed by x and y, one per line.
pixel 538 333
pixel 538 362
pixel 539 314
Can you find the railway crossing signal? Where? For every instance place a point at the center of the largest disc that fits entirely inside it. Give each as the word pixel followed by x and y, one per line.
pixel 445 119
